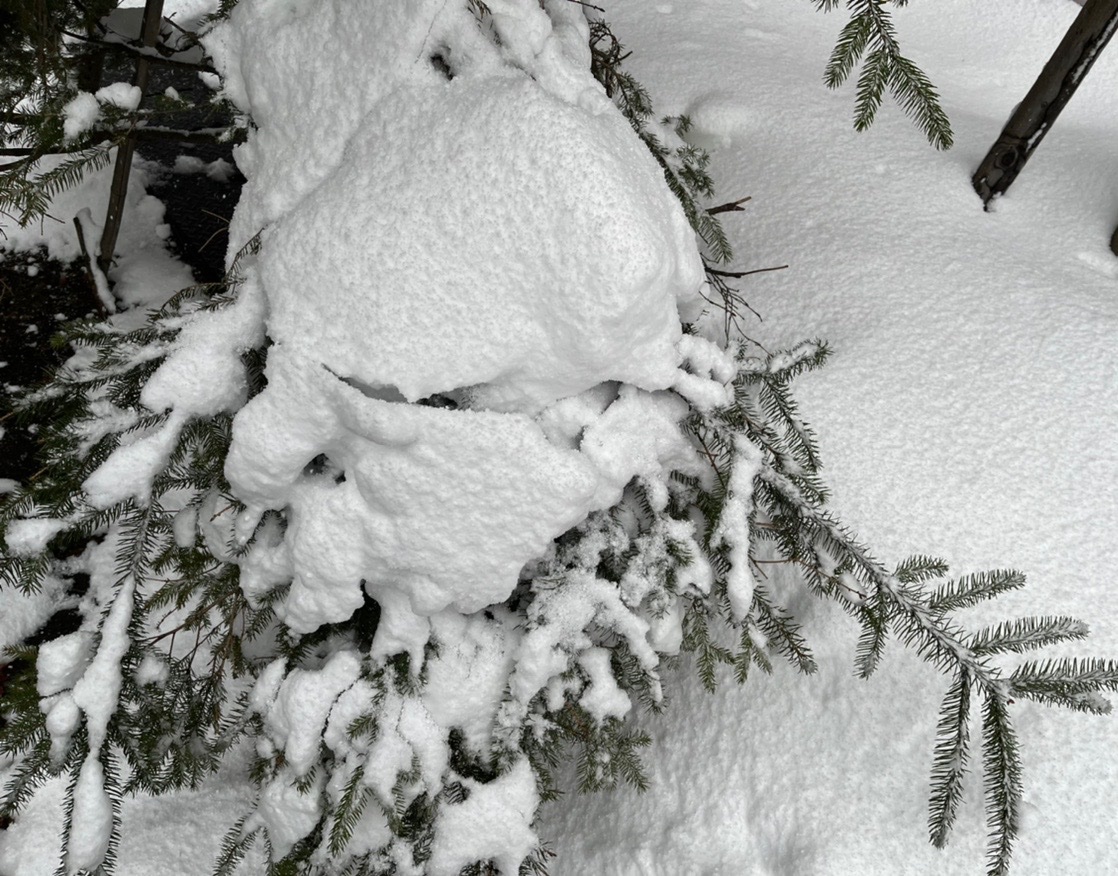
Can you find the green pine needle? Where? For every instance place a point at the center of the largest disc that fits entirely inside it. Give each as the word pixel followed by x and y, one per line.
pixel 950 760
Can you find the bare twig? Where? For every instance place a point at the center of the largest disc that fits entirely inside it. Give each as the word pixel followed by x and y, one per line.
pixel 729 206
pixel 100 289
pixel 739 274
pixel 155 54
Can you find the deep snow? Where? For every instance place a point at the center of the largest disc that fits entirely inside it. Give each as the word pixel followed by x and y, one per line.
pixel 965 414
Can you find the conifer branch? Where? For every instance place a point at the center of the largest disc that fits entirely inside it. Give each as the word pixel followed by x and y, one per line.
pixel 950 760
pixel 870 37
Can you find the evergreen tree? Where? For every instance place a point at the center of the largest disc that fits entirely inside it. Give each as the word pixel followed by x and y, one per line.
pixel 391 713
pixel 74 83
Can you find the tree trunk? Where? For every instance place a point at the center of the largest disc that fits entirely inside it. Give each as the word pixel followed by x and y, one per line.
pixel 149 33
pixel 1031 120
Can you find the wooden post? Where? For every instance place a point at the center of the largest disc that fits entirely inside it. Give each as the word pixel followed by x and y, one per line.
pixel 149 33
pixel 1061 76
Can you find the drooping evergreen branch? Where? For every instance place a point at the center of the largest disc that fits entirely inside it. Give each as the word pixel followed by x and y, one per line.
pixel 908 603
pixel 870 37
pixel 177 715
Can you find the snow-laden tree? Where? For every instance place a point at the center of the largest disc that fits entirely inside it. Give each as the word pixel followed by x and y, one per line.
pixel 417 502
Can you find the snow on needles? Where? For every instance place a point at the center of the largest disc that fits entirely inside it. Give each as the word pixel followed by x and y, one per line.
pixel 451 208
pixel 484 226
pixel 474 279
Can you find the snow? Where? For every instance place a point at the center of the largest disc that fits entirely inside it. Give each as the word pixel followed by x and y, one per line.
pixel 24 613
pixel 507 284
pixel 98 688
pixel 733 531
pixel 218 170
pixel 61 662
pixel 62 722
pixel 408 514
pixel 203 373
pixel 603 698
pixel 25 538
pixel 92 819
pixel 287 812
pixel 491 824
pixel 128 473
pixel 538 274
pixel 968 412
pixel 79 115
pixel 121 95
pixel 144 272
pixel 466 682
pixel 297 716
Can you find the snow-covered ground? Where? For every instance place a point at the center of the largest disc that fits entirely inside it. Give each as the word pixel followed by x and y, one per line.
pixel 967 413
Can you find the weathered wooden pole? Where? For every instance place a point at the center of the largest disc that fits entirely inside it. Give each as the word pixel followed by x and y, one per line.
pixel 1033 117
pixel 149 33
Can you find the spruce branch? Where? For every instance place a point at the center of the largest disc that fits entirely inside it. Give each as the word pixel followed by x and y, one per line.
pixel 870 37
pixel 950 760
pixel 973 589
pixel 1002 768
pixel 1026 634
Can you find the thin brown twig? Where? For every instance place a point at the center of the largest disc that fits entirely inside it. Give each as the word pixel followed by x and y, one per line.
pixel 730 206
pixel 737 275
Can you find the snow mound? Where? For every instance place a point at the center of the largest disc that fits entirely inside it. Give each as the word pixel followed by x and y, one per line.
pixel 476 222
pixel 486 232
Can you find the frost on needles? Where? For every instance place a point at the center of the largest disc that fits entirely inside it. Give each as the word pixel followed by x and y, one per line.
pixel 418 501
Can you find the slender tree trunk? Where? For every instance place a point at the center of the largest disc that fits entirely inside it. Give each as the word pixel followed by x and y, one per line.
pixel 149 33
pixel 1058 81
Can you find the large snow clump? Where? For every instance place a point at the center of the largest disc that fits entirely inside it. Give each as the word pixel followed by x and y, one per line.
pixel 451 207
pixel 475 282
